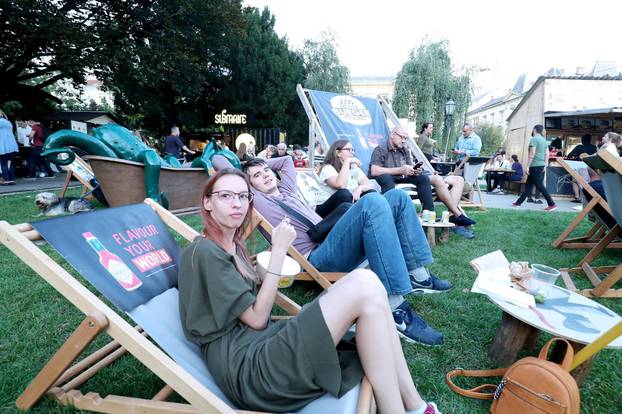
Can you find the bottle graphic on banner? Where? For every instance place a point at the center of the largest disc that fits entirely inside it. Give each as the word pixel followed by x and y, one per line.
pixel 113 264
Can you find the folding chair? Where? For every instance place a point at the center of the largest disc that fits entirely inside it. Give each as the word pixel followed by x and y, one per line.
pixel 611 175
pixel 599 230
pixel 154 306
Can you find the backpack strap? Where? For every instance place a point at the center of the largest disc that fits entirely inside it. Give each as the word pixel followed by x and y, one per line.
pixel 566 363
pixel 477 391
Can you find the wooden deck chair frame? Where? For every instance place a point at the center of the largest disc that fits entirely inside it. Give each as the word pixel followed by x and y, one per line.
pixel 465 202
pixel 83 173
pixel 597 232
pixel 604 287
pixel 310 273
pixel 60 379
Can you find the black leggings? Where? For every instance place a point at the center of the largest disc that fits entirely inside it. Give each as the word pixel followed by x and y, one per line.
pixel 421 181
pixel 338 197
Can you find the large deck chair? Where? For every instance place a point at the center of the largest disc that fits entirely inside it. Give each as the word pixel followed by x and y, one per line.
pixel 153 306
pixel 610 167
pixel 597 205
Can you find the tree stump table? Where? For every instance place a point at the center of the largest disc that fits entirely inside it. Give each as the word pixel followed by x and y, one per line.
pixel 566 314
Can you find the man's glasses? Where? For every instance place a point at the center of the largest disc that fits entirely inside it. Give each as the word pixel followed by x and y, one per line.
pixel 401 136
pixel 245 197
pixel 350 150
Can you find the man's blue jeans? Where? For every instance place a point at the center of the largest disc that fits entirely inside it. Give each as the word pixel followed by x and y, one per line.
pixel 383 229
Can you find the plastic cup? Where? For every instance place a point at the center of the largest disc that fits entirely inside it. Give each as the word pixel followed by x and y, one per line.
pixel 542 279
pixel 288 274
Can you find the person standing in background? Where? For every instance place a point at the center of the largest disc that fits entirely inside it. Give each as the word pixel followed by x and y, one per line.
pixel 8 148
pixel 23 131
pixel 536 163
pixel 174 145
pixel 37 139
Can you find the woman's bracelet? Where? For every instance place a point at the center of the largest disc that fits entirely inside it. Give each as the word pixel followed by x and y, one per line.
pixel 272 273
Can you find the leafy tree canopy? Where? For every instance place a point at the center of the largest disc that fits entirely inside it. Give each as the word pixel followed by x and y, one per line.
pixel 43 41
pixel 425 83
pixel 491 135
pixel 324 70
pixel 263 77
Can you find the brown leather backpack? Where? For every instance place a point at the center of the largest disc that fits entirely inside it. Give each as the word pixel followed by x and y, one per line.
pixel 530 385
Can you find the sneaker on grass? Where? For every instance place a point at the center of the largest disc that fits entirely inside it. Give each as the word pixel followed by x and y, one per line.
pixel 461 220
pixel 432 285
pixel 551 208
pixel 431 408
pixel 412 328
pixel 463 231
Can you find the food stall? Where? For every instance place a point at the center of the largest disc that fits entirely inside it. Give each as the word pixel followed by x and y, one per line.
pixel 569 127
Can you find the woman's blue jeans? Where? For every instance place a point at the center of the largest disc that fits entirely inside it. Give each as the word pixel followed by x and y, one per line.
pixel 383 229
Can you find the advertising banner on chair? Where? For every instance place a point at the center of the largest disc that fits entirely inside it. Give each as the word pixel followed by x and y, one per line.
pixel 357 119
pixel 126 252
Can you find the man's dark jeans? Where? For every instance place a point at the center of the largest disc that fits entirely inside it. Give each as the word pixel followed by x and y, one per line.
pixel 422 182
pixel 535 178
pixel 36 160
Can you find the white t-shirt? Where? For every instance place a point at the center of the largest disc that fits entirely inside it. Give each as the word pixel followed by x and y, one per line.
pixel 356 174
pixel 22 135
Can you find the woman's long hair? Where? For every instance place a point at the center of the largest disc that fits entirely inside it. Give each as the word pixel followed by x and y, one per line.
pixel 331 155
pixel 212 230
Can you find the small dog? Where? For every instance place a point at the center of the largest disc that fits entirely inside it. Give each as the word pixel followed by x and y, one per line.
pixel 52 205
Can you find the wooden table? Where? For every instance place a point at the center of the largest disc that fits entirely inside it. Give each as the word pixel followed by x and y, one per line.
pixel 498 170
pixel 430 229
pixel 565 314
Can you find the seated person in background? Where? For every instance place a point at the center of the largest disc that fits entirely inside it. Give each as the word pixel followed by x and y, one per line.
pixel 243 154
pixel 341 177
pixel 268 152
pixel 585 147
pixel 281 366
pixel 299 157
pixel 496 178
pixel 377 228
pixel 517 175
pixel 555 149
pixel 281 150
pixel 469 143
pixel 393 164
pixel 597 185
pixel 612 142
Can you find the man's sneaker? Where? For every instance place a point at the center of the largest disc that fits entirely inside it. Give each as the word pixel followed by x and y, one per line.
pixel 414 329
pixel 551 208
pixel 517 204
pixel 431 408
pixel 432 285
pixel 537 201
pixel 463 231
pixel 461 220
pixel 530 200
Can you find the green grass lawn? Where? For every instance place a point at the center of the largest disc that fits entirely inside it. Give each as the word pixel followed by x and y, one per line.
pixel 35 320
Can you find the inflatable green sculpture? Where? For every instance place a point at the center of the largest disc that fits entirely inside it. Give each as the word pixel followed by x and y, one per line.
pixel 115 141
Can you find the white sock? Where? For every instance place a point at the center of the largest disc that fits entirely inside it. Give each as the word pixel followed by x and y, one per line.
pixel 420 274
pixel 420 410
pixel 395 301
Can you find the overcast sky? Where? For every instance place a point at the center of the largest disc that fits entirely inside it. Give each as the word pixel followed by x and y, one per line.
pixel 506 37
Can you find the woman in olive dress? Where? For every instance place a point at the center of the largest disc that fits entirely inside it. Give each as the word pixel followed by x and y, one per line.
pixel 283 365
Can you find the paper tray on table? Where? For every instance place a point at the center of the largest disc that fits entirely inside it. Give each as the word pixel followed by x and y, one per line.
pixel 493 279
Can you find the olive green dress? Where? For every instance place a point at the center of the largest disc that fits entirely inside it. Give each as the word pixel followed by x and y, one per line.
pixel 280 368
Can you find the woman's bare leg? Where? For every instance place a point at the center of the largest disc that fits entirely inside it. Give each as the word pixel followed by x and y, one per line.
pixel 360 297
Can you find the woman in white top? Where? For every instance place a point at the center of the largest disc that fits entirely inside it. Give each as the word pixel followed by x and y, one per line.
pixel 341 176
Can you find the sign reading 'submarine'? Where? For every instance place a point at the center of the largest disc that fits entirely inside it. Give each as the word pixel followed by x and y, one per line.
pixel 225 118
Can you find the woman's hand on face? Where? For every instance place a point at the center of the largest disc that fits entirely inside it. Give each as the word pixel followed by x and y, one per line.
pixel 283 236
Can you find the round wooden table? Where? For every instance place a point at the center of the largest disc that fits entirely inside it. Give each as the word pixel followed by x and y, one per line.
pixel 566 314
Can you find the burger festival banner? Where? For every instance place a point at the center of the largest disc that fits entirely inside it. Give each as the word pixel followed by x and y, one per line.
pixel 357 119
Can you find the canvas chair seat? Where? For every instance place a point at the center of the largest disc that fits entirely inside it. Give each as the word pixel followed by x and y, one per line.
pixel 160 318
pixel 155 307
pixel 472 168
pixel 604 277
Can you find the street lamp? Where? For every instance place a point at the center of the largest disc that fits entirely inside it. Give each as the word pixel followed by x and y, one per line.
pixel 450 106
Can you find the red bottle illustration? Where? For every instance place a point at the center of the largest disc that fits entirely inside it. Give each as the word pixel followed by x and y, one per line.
pixel 113 264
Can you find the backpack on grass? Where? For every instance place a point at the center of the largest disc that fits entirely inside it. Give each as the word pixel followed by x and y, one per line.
pixel 530 385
